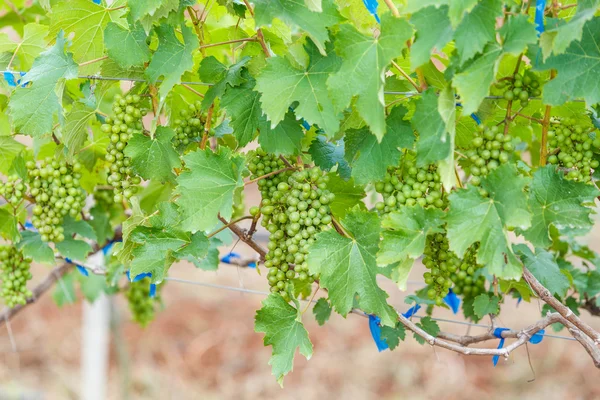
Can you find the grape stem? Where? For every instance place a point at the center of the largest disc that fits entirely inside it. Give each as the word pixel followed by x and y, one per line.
pixel 207 126
pixel 311 298
pixel 269 174
pixel 259 34
pixel 229 42
pixel 339 227
pixel 191 89
pixel 285 161
pixel 244 238
pixel 392 8
pixel 407 77
pixel 539 121
pixel 228 225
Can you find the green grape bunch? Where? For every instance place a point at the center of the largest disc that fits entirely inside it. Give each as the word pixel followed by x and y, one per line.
pixel 441 264
pixel 571 147
pixel 14 273
pixel 520 88
pixel 295 207
pixel 56 189
pixel 489 149
pixel 189 127
pixel 143 307
pixel 126 122
pixel 13 190
pixel 465 278
pixel 410 185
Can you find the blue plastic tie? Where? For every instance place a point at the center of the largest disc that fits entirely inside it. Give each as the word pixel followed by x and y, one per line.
pixel 371 6
pixel 412 311
pixel 29 226
pixel 305 125
pixel 152 291
pixel 473 115
pixel 519 300
pixel 82 270
pixel 540 6
pixel 96 1
pixel 375 327
pixel 107 248
pixel 452 301
pixel 10 78
pixel 535 339
pixel 229 257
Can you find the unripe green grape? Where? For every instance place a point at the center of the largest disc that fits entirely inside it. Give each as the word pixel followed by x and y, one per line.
pixel 142 306
pixel 14 274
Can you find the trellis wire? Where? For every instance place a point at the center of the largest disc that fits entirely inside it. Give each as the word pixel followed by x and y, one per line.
pixel 112 78
pixel 263 293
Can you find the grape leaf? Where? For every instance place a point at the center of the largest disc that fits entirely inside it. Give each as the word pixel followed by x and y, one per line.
pixel 477 29
pixel 154 252
pixel 578 68
pixel 172 57
pixel 473 82
pixel 555 201
pixel 405 232
pixel 327 155
pixel 33 107
pixel 234 7
pixel 195 250
pixel 543 266
pixel 65 292
pixel 428 325
pixel 221 76
pixel 322 311
pixel 147 12
pixel 473 218
pixel 295 12
pixel 517 33
pixel 85 21
pixel 362 73
pixel 347 195
pixel 32 245
pixel 9 148
pixel 100 222
pixel 212 259
pixel 282 84
pixel 369 158
pixel 559 36
pixel 81 228
pixel 154 158
pixel 434 142
pixel 33 42
pixel 206 187
pixel 127 46
pixel 74 133
pixel 74 249
pixel 282 325
pixel 348 267
pixel 8 225
pixel 393 336
pixel 433 31
pixel 243 106
pixel 485 304
pixel 284 139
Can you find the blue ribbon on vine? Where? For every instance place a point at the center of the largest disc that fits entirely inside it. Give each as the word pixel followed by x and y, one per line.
pixel 10 79
pixel 96 1
pixel 80 268
pixel 141 276
pixel 452 300
pixel 540 6
pixel 229 257
pixel 473 115
pixel 371 6
pixel 375 327
pixel 535 339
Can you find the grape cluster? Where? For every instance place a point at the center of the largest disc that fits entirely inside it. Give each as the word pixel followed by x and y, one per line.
pixel 490 148
pixel 295 207
pixel 13 190
pixel 410 185
pixel 521 88
pixel 261 163
pixel 14 272
pixel 141 305
pixel 465 281
pixel 441 263
pixel 571 147
pixel 190 126
pixel 55 187
pixel 126 122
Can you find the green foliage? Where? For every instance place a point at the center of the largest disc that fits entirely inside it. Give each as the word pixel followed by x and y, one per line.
pixel 360 137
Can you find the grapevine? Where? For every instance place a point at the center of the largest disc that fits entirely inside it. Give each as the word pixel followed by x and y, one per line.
pixel 340 146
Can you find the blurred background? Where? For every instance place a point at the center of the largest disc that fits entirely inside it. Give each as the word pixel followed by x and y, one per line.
pixel 202 345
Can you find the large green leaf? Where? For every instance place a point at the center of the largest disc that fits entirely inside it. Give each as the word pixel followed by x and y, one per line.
pixel 348 267
pixel 543 266
pixel 557 201
pixel 433 31
pixel 281 84
pixel 473 218
pixel 154 158
pixel 32 43
pixel 327 155
pixel 206 187
pixel 405 233
pixel 347 195
pixel 362 73
pixel 76 121
pixel 243 106
pixel 434 142
pixel 32 245
pixel 284 139
pixel 127 46
pixel 295 12
pixel 33 107
pixel 9 149
pixel 477 29
pixel 8 224
pixel 577 69
pixel 369 158
pixel 221 76
pixel 282 325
